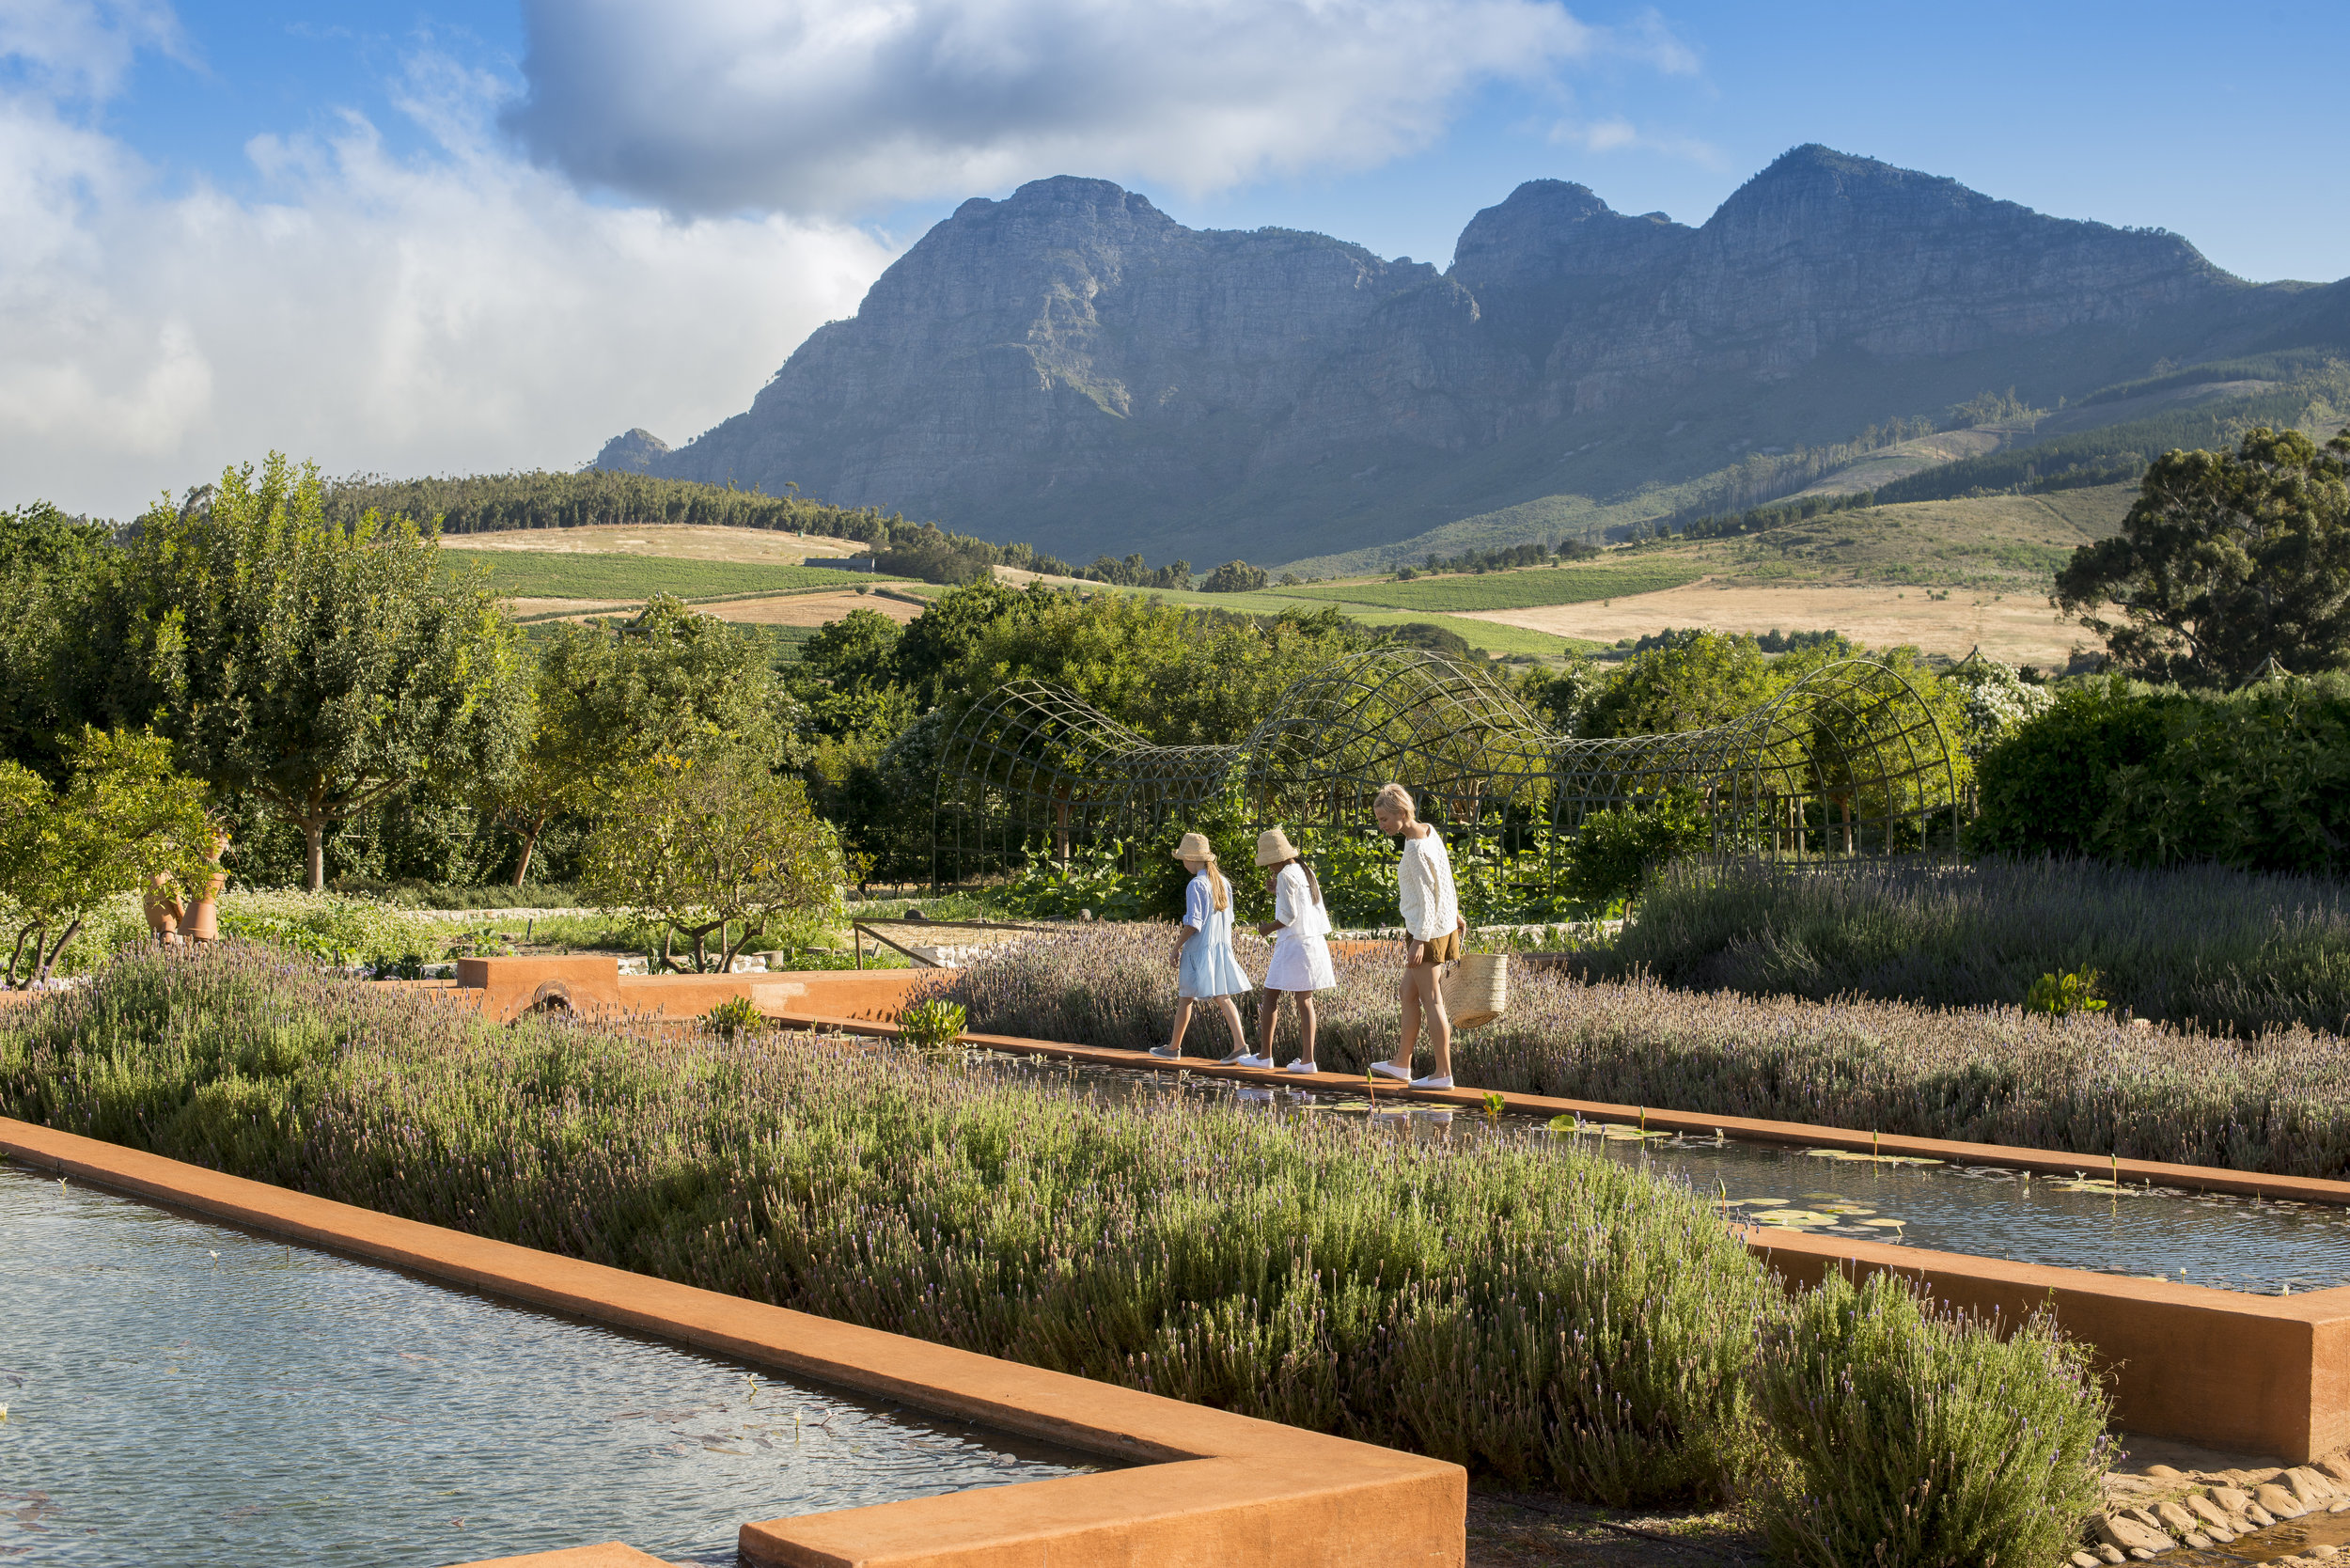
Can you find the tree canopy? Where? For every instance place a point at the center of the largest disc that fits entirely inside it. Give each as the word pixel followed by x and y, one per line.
pixel 2227 561
pixel 318 666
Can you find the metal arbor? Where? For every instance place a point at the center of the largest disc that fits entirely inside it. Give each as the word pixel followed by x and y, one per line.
pixel 1847 760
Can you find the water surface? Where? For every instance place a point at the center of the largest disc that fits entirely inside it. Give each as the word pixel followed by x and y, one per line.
pixel 183 1392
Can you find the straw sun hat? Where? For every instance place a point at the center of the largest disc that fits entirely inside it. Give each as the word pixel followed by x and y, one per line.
pixel 1275 847
pixel 1194 846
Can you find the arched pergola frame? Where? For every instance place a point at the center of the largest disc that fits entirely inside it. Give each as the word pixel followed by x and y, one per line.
pixel 1848 761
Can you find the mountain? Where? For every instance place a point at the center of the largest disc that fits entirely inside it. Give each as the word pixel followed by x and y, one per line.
pixel 1072 367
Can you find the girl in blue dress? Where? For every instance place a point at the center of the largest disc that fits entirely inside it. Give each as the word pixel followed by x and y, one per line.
pixel 1204 965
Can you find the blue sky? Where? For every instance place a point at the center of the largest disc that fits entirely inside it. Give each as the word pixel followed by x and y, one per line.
pixel 456 237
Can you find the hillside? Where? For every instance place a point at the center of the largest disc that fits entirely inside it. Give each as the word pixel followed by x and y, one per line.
pixel 1071 368
pixel 1945 576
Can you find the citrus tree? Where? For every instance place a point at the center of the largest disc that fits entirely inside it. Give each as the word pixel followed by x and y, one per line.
pixel 717 848
pixel 123 820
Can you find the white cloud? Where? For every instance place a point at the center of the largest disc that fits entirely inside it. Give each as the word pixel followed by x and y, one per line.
pixel 840 105
pixel 1616 133
pixel 458 311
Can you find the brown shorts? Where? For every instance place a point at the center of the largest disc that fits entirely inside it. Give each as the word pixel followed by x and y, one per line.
pixel 1441 950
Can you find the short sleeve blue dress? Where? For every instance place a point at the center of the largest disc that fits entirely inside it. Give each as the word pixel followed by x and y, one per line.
pixel 1209 969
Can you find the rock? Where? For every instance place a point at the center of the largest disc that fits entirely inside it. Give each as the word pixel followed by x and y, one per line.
pixel 2146 1516
pixel 2308 1485
pixel 2131 1536
pixel 2177 1520
pixel 2208 1511
pixel 2279 1501
pixel 2083 1560
pixel 2325 1553
pixel 2165 1471
pixel 2108 1553
pixel 2338 1466
pixel 2259 1516
pixel 2229 1497
pixel 2140 1554
pixel 634 453
pixel 2198 1540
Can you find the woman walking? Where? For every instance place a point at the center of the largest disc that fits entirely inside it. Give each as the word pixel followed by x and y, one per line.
pixel 1433 928
pixel 1301 959
pixel 1205 968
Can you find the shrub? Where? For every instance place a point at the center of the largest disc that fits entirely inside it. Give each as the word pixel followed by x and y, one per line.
pixel 2062 995
pixel 2258 778
pixel 2237 950
pixel 1909 1434
pixel 1540 1315
pixel 2092 1085
pixel 733 1017
pixel 1613 853
pixel 932 1025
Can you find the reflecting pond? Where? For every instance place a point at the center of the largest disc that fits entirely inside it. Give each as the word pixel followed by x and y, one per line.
pixel 183 1392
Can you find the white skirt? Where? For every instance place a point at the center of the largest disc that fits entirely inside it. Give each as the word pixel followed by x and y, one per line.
pixel 1300 963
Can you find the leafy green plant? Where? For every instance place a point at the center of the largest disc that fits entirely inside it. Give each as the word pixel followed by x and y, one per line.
pixel 733 1017
pixel 1615 851
pixel 2062 995
pixel 931 1026
pixel 1907 1432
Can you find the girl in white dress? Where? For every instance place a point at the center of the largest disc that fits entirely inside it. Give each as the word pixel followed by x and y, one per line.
pixel 1301 959
pixel 1205 968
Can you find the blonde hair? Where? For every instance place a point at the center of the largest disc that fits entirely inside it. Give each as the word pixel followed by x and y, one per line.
pixel 1394 797
pixel 1219 890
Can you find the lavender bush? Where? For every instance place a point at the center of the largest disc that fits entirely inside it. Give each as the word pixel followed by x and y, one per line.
pixel 2206 946
pixel 1915 1435
pixel 2094 1085
pixel 1540 1316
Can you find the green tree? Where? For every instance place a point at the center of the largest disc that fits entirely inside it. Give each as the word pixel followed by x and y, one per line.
pixel 604 697
pixel 935 643
pixel 58 583
pixel 858 653
pixel 123 819
pixel 1695 680
pixel 2227 561
pixel 716 846
pixel 1234 577
pixel 316 666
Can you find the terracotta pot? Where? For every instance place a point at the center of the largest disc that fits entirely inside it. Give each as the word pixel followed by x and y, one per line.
pixel 164 912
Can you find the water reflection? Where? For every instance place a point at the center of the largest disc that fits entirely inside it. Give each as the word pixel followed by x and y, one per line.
pixel 183 1393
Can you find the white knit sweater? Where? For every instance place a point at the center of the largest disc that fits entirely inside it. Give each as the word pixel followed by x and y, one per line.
pixel 1423 881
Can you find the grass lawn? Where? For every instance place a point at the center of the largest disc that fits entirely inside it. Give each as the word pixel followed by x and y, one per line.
pixel 1512 590
pixel 549 574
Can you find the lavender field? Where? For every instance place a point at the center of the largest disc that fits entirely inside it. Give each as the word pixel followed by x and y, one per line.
pixel 2279 1102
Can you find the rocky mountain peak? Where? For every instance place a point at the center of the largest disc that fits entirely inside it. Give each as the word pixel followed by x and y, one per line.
pixel 634 453
pixel 1553 229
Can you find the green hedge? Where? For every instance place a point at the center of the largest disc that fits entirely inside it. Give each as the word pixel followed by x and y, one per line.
pixel 2257 779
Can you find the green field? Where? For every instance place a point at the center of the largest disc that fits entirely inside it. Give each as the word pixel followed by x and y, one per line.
pixel 1530 589
pixel 552 575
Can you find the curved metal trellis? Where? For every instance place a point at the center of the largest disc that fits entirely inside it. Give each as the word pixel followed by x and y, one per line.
pixel 1033 764
pixel 1847 760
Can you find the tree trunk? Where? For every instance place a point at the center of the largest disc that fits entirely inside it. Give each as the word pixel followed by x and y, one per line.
pixel 18 952
pixel 530 843
pixel 57 951
pixel 314 865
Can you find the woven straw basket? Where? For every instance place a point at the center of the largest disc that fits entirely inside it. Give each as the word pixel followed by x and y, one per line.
pixel 1477 989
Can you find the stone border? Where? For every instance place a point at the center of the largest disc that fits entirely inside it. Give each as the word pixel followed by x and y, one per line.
pixel 1207 1486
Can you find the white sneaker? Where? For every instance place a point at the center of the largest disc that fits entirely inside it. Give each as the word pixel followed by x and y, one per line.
pixel 1432 1081
pixel 1388 1070
pixel 1253 1061
pixel 1301 1065
pixel 1166 1053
